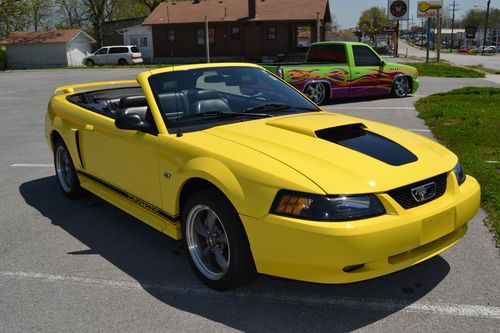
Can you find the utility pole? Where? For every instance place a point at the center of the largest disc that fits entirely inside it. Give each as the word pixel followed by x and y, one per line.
pixel 207 39
pixel 486 26
pixel 453 8
pixel 438 46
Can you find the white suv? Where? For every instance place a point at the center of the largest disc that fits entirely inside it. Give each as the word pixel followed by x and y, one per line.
pixel 112 55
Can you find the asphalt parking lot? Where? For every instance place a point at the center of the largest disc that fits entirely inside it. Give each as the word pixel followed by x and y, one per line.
pixel 86 266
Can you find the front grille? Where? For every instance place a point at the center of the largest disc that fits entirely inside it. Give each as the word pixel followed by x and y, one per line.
pixel 405 199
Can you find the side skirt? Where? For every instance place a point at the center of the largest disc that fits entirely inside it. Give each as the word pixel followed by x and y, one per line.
pixel 138 208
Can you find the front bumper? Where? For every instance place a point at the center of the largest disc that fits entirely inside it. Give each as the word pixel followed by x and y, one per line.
pixel 319 251
pixel 415 85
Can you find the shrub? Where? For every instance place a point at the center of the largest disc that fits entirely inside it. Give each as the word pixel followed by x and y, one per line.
pixel 3 59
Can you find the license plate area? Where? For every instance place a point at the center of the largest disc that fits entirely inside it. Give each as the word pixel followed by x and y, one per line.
pixel 437 226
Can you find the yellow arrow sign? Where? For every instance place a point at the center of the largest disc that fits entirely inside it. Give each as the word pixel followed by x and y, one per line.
pixel 425 6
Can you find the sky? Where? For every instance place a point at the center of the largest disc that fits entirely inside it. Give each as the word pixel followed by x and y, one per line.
pixel 347 12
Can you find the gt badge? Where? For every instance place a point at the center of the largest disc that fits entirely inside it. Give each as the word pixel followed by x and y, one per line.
pixel 424 192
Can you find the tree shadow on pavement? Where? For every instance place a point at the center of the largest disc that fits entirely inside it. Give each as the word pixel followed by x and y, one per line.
pixel 159 265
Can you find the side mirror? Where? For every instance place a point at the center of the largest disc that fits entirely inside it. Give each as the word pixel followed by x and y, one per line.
pixel 132 121
pixel 382 63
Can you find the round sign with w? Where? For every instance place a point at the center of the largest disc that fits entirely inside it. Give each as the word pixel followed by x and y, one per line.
pixel 397 10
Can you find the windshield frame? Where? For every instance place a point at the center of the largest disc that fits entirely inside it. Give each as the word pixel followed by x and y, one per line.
pixel 198 123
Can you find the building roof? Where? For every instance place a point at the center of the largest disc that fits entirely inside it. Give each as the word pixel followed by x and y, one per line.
pixel 37 37
pixel 234 10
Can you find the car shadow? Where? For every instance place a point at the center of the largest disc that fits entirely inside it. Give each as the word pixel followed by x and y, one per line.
pixel 159 265
pixel 336 101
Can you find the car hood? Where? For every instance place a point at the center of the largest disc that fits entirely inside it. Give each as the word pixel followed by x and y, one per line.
pixel 342 154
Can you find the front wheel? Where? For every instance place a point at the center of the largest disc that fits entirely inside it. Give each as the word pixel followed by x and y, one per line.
pixel 401 86
pixel 89 63
pixel 216 242
pixel 317 92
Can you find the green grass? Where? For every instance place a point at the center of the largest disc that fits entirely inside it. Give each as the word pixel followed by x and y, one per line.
pixel 484 69
pixel 467 121
pixel 445 70
pixel 3 59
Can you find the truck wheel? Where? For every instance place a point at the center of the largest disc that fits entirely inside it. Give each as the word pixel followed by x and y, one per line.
pixel 400 87
pixel 216 242
pixel 317 92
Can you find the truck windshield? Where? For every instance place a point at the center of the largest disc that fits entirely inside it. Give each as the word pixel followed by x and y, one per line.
pixel 196 99
pixel 327 54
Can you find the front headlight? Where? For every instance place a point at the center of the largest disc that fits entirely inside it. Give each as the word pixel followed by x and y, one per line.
pixel 459 173
pixel 326 208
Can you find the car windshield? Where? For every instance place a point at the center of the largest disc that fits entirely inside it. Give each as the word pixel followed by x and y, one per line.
pixel 195 99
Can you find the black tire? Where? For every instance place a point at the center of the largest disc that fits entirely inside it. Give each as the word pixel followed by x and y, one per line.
pixel 318 92
pixel 401 87
pixel 89 63
pixel 218 251
pixel 66 172
pixel 122 62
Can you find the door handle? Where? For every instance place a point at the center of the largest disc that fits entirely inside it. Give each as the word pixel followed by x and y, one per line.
pixel 89 127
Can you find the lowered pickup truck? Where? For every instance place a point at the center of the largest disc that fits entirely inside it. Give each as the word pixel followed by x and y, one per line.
pixel 347 70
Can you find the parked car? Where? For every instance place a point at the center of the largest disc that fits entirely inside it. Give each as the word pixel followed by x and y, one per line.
pixel 255 178
pixel 490 49
pixel 462 49
pixel 115 55
pixel 345 70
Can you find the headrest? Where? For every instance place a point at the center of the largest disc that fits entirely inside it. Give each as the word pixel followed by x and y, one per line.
pixel 132 101
pixel 206 94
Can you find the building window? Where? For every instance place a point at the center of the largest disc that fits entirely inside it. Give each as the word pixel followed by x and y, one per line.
pixel 271 32
pixel 171 35
pixel 200 36
pixel 235 33
pixel 143 41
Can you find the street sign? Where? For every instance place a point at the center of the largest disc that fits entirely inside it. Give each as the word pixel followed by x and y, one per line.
pixel 428 8
pixel 470 32
pixel 397 10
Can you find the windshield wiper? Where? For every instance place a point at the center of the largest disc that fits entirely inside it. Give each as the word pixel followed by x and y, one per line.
pixel 229 114
pixel 277 107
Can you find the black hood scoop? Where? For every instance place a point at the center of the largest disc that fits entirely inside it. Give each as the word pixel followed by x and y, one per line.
pixel 358 138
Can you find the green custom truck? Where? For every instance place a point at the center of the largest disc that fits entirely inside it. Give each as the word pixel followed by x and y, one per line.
pixel 347 70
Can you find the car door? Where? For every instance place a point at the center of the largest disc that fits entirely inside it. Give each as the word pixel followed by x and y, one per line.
pixel 366 73
pixel 100 56
pixel 124 160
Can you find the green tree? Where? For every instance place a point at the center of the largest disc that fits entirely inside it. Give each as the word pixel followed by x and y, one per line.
pixel 70 13
pixel 97 12
pixel 372 21
pixel 477 17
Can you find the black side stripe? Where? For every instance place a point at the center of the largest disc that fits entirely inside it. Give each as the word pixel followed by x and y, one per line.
pixel 136 200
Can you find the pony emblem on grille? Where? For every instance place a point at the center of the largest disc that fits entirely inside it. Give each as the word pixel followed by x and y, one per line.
pixel 424 192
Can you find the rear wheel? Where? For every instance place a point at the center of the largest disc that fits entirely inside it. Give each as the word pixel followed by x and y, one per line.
pixel 216 242
pixel 122 62
pixel 317 92
pixel 401 86
pixel 66 172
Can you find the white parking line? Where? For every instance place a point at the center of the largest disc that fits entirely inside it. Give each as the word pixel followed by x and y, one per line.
pixel 372 304
pixel 29 165
pixel 418 130
pixel 372 108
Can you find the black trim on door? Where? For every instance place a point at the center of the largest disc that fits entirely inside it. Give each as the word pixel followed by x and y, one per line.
pixel 134 199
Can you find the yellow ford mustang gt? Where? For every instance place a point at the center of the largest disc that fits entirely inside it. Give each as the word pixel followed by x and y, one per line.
pixel 255 178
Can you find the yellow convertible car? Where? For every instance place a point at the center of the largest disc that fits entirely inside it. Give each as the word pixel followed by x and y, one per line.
pixel 255 178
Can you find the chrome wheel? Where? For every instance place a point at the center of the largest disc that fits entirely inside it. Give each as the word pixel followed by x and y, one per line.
pixel 316 92
pixel 401 86
pixel 64 168
pixel 207 242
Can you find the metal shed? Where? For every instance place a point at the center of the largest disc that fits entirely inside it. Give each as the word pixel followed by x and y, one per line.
pixel 40 49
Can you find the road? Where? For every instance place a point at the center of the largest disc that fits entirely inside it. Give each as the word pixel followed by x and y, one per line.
pixel 85 266
pixel 488 61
